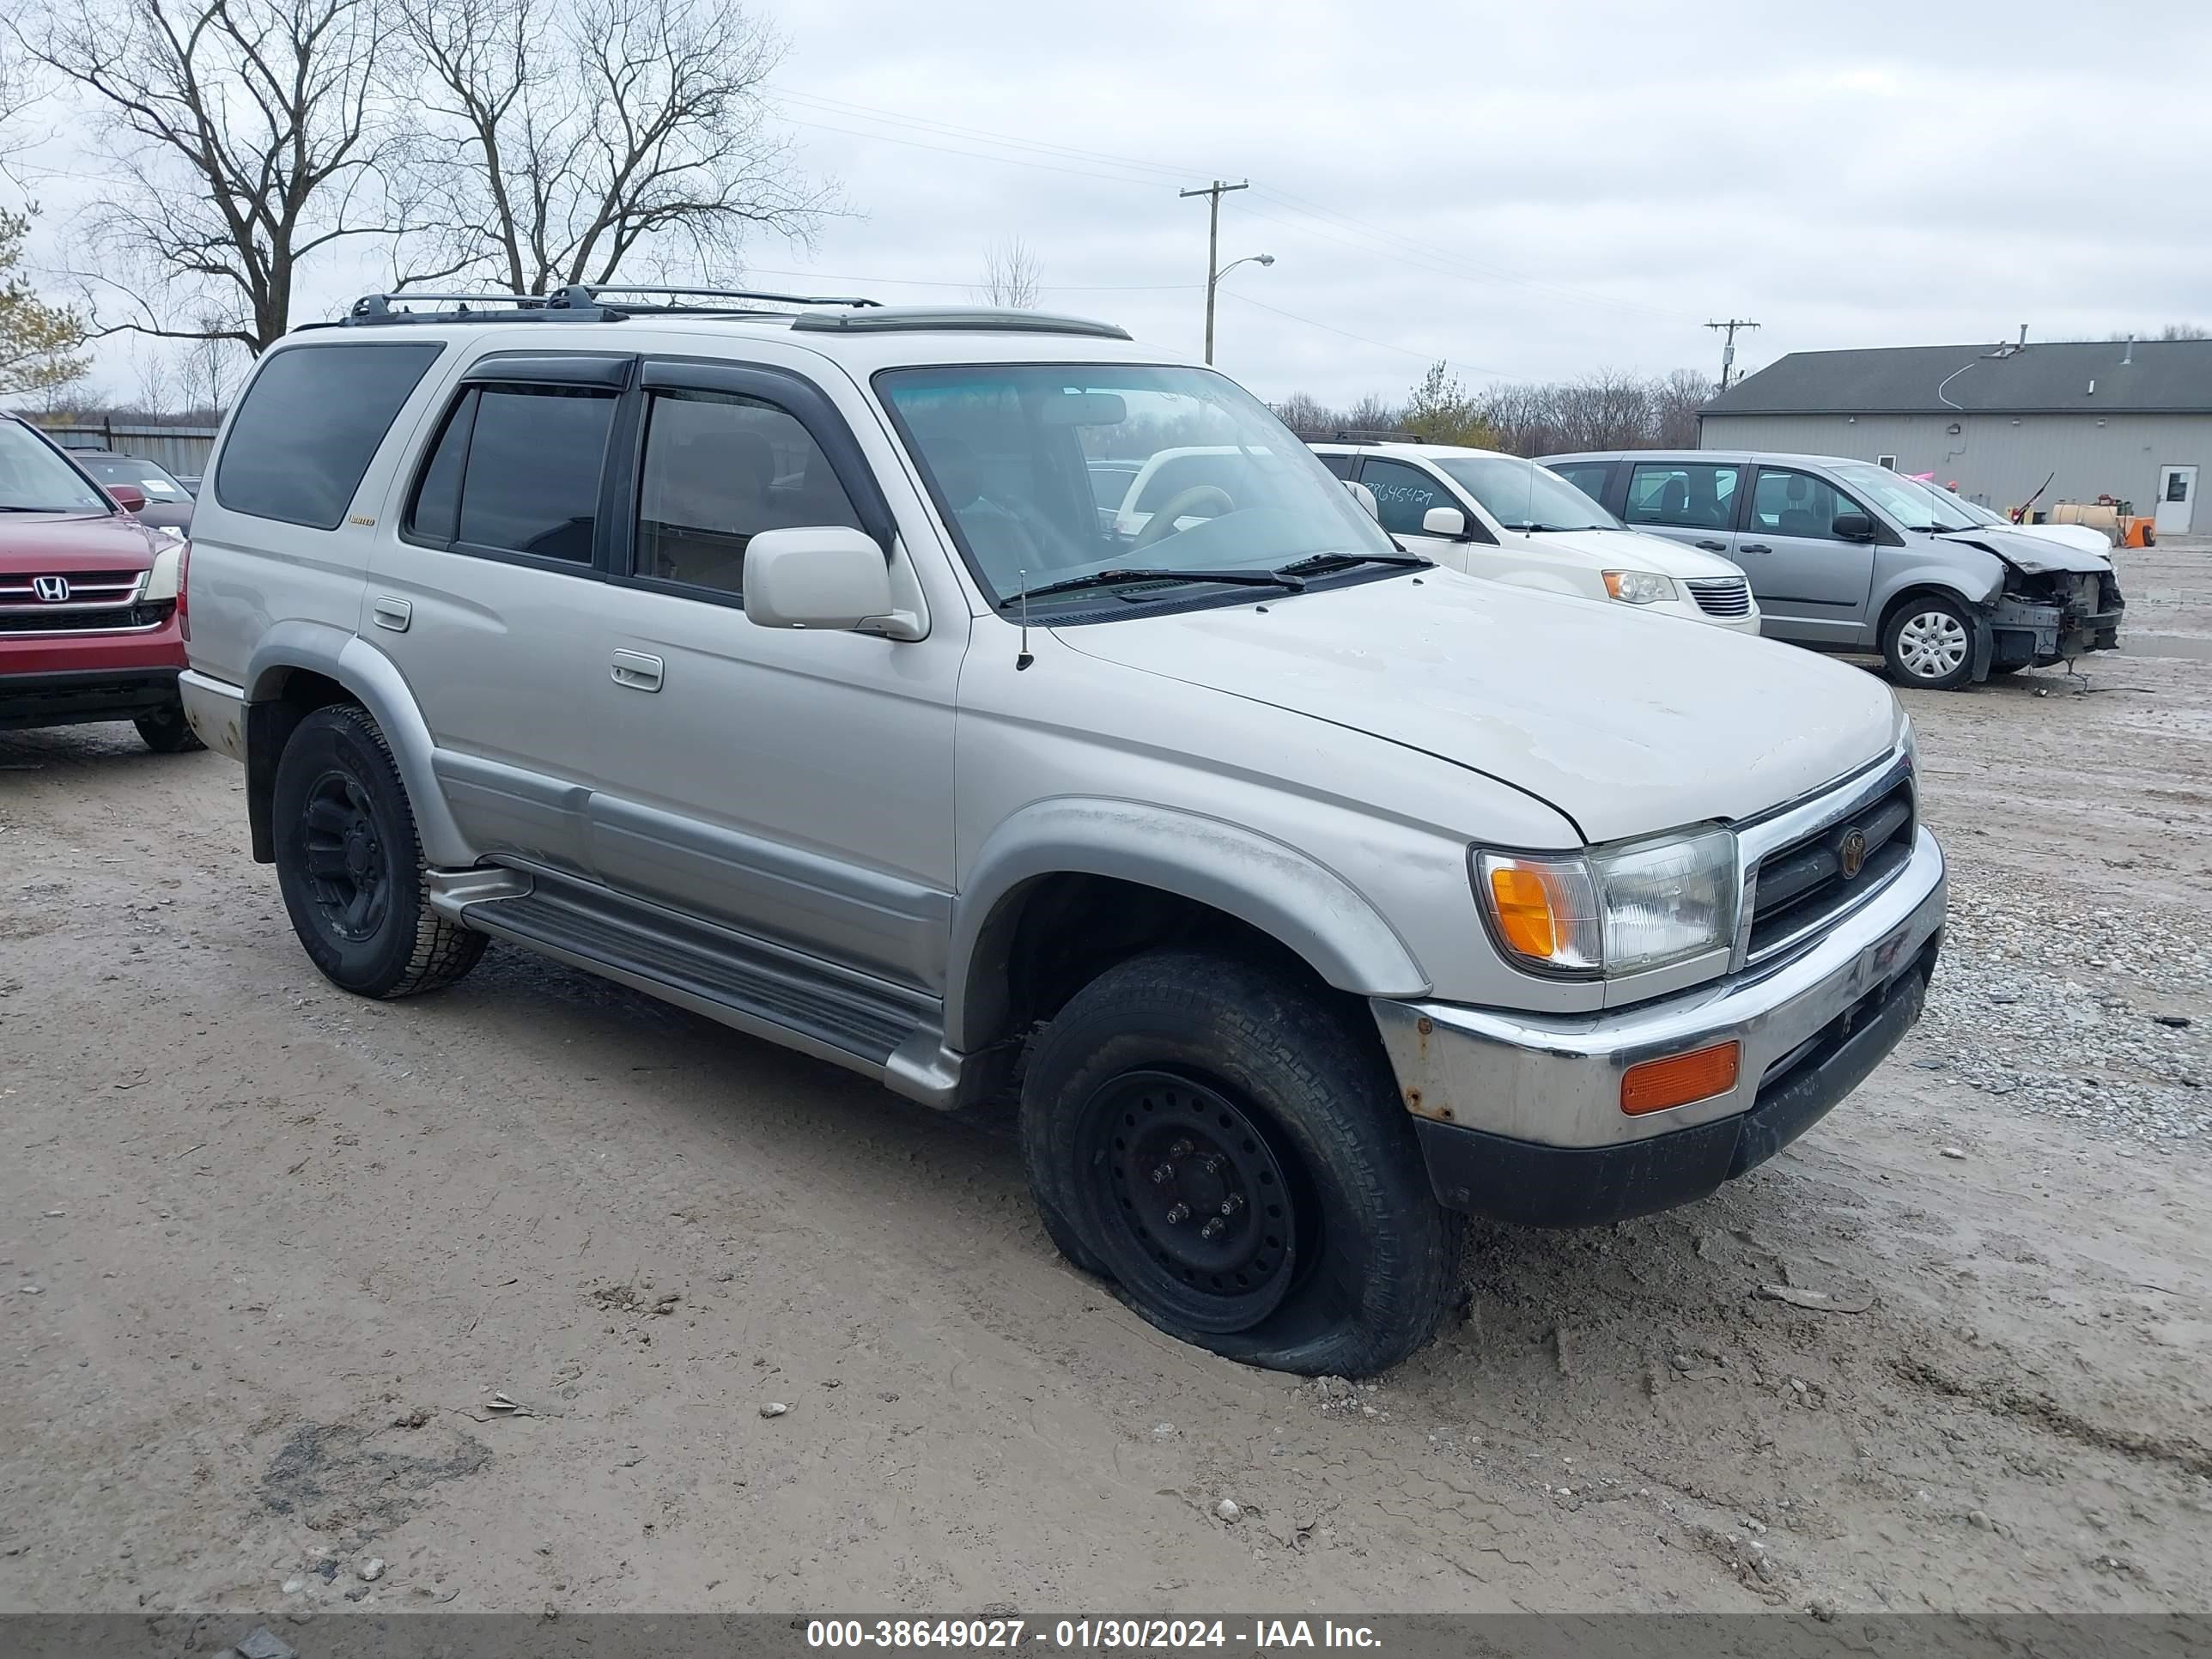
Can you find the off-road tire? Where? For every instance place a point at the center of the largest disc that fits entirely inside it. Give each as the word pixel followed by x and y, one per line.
pixel 166 732
pixel 338 762
pixel 1376 1257
pixel 1926 630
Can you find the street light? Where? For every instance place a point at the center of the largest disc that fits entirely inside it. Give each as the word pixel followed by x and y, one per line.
pixel 1213 280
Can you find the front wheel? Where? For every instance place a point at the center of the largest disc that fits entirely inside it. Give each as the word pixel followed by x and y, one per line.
pixel 1930 643
pixel 1222 1143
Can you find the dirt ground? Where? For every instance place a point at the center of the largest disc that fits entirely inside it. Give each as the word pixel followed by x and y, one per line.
pixel 273 1259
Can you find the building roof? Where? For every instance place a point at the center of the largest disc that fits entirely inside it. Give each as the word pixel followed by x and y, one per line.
pixel 2040 377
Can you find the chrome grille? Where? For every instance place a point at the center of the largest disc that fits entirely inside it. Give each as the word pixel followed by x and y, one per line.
pixel 93 602
pixel 1720 595
pixel 1795 885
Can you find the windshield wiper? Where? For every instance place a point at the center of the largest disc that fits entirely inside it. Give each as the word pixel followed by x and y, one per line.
pixel 1320 564
pixel 1119 578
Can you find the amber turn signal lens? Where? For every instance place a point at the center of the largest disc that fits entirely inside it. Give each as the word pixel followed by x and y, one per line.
pixel 1655 1085
pixel 1524 911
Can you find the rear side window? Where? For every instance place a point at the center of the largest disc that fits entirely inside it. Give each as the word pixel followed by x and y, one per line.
pixel 516 470
pixel 309 425
pixel 1693 494
pixel 1339 465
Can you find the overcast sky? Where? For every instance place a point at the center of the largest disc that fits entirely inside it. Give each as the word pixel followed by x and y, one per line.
pixel 1529 190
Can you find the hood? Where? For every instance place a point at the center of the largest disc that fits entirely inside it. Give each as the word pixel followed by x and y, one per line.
pixel 2036 556
pixel 1632 550
pixel 1627 724
pixel 2086 538
pixel 59 543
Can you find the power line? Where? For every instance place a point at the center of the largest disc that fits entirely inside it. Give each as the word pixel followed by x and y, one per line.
pixel 1331 328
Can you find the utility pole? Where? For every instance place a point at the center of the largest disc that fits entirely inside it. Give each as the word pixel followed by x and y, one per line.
pixel 1212 192
pixel 1727 351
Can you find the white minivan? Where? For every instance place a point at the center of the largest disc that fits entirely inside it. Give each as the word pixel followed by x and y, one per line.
pixel 1501 516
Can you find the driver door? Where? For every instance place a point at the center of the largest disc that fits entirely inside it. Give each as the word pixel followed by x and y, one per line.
pixel 1404 493
pixel 1812 583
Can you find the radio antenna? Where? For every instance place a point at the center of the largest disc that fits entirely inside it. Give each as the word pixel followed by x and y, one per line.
pixel 1022 659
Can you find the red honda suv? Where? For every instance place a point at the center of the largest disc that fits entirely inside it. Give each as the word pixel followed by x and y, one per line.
pixel 89 626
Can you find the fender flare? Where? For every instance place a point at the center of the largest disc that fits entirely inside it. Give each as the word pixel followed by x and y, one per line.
pixel 375 682
pixel 1262 882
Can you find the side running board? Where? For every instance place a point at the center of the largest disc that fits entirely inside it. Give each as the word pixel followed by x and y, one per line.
pixel 884 1030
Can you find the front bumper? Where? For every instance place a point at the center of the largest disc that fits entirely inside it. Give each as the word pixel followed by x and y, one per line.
pixel 83 694
pixel 1519 1114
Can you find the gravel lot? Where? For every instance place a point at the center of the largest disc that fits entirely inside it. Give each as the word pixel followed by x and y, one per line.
pixel 274 1262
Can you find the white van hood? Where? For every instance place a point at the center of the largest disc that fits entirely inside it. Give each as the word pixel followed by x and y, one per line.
pixel 1627 724
pixel 1632 550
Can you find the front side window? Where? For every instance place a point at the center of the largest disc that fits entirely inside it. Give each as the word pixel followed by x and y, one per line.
pixel 1403 493
pixel 34 479
pixel 1012 455
pixel 719 469
pixel 1523 496
pixel 516 470
pixel 309 425
pixel 1691 496
pixel 1797 504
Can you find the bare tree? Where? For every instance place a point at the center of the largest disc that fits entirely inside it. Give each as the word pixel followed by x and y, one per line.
pixel 1012 274
pixel 243 138
pixel 207 373
pixel 570 144
pixel 2184 331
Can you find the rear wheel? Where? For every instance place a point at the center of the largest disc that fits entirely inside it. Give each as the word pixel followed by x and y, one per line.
pixel 166 732
pixel 1218 1141
pixel 1929 642
pixel 351 867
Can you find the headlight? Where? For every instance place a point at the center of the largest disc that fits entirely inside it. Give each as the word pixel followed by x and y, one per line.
pixel 1613 910
pixel 1638 587
pixel 162 580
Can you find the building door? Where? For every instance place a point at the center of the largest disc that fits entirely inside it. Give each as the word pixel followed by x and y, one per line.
pixel 2177 499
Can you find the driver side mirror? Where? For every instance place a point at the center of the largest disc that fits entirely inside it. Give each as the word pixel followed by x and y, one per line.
pixel 1443 521
pixel 129 497
pixel 1365 497
pixel 1852 528
pixel 829 579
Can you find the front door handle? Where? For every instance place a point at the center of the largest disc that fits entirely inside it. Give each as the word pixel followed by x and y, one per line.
pixel 1754 547
pixel 636 671
pixel 388 612
pixel 1711 546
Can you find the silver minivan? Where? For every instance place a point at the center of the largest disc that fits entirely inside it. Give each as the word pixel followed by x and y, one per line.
pixel 1848 555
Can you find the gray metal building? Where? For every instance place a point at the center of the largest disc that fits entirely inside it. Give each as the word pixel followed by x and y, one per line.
pixel 2131 419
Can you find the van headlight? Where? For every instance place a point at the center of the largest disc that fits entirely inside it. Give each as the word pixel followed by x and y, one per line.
pixel 1613 910
pixel 1639 586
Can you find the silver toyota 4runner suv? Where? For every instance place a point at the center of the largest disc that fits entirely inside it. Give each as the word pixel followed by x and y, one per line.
pixel 784 659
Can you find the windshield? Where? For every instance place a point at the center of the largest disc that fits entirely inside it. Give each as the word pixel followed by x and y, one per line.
pixel 1047 472
pixel 1910 503
pixel 1523 496
pixel 33 478
pixel 123 470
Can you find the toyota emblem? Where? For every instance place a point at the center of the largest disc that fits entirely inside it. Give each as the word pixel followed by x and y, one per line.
pixel 52 589
pixel 1851 854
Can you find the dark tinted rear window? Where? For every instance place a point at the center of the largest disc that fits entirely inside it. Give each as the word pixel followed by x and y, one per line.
pixel 531 483
pixel 309 425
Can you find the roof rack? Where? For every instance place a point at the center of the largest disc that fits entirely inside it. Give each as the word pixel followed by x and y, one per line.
pixel 936 319
pixel 1341 437
pixel 578 302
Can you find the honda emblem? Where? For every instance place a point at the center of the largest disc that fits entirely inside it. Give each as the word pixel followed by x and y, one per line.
pixel 52 589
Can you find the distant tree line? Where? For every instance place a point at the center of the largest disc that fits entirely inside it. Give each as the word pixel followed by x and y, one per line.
pixel 1607 409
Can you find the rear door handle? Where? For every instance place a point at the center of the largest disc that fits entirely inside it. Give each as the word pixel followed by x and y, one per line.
pixel 637 670
pixel 388 612
pixel 1754 547
pixel 1713 546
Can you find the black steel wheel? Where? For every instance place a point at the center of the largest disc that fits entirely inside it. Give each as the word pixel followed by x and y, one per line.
pixel 346 856
pixel 1190 1204
pixel 1220 1137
